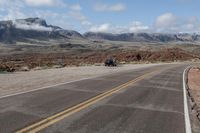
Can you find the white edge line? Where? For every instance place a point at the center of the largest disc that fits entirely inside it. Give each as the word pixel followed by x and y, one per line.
pixel 186 110
pixel 45 87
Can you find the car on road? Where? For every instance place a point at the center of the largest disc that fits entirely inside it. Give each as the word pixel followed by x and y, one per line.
pixel 110 62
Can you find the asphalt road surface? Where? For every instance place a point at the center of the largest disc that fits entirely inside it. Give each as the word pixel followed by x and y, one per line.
pixel 147 100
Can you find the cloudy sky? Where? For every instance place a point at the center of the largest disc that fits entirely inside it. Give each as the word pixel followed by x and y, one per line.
pixel 169 16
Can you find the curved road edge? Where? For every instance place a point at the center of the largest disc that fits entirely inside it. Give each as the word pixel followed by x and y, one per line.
pixel 188 128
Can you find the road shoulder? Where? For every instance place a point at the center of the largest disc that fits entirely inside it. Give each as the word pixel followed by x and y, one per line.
pixel 194 94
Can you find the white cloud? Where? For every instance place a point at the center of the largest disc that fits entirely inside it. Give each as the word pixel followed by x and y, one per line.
pixel 17 9
pixel 171 23
pixel 26 26
pixel 54 18
pixel 190 25
pixel 185 26
pixel 86 23
pixel 12 14
pixel 11 9
pixel 101 28
pixel 137 26
pixel 76 7
pixel 44 2
pixel 166 20
pixel 100 7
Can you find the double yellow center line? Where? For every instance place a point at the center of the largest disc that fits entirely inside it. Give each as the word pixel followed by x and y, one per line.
pixel 61 115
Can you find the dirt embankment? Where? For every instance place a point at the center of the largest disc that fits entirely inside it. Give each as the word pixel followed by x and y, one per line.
pixel 31 60
pixel 194 85
pixel 194 93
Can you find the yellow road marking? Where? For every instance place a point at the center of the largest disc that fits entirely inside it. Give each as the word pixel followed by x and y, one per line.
pixel 59 116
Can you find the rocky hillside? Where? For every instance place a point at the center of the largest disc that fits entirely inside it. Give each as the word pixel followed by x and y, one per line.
pixel 31 60
pixel 32 28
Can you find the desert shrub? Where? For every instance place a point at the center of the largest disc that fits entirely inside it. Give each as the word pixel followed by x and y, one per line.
pixel 6 68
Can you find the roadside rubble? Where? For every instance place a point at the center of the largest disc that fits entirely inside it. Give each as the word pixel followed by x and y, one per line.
pixel 194 95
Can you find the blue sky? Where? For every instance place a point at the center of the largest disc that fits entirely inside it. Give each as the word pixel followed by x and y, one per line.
pixel 109 15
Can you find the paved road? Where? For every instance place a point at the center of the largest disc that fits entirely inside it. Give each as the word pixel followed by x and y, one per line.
pixel 150 104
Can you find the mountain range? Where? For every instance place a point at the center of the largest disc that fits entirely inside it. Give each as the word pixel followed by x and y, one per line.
pixel 36 29
pixel 32 28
